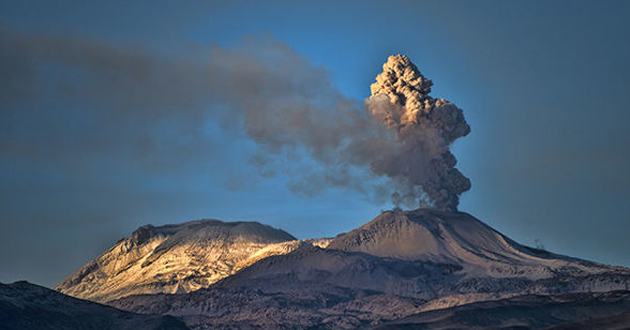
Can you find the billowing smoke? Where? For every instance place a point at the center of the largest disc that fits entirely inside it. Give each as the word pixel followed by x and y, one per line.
pixel 425 128
pixel 193 110
pixel 402 135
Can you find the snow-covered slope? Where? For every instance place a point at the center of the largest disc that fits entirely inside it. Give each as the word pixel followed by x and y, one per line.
pixel 176 258
pixel 25 306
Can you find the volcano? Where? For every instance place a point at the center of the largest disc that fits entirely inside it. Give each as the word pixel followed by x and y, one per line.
pixel 398 265
pixel 460 239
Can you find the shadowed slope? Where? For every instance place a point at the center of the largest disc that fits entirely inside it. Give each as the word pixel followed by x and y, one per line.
pixel 25 306
pixel 568 311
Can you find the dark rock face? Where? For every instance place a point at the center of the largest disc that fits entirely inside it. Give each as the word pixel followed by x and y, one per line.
pixel 25 306
pixel 615 322
pixel 143 234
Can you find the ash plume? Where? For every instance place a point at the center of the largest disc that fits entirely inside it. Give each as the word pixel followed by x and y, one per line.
pixel 425 128
pixel 187 111
pixel 402 135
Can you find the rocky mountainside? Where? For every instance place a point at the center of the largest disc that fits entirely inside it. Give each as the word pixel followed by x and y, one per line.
pixel 176 258
pixel 25 306
pixel 399 264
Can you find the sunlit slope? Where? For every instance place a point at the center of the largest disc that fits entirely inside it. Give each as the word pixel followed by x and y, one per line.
pixel 175 258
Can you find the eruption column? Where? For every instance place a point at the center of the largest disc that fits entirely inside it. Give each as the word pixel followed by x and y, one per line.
pixel 425 128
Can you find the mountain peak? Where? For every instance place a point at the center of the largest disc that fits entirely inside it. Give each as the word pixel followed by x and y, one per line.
pixel 421 234
pixel 455 238
pixel 175 258
pixel 212 228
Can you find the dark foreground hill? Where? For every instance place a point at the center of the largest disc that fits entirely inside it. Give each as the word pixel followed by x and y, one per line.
pixel 608 310
pixel 25 306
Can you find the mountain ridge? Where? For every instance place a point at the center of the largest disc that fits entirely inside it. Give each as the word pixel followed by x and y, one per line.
pixel 444 260
pixel 175 258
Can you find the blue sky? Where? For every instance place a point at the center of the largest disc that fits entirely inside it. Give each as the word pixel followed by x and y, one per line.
pixel 543 85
